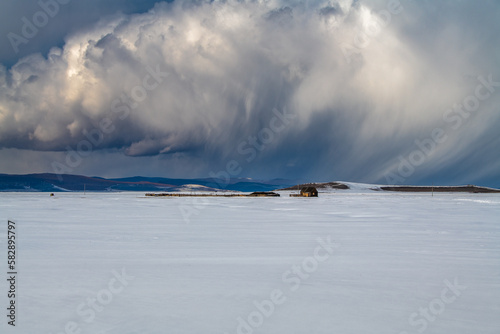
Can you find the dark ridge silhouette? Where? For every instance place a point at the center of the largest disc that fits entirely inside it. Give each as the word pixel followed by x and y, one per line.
pixel 451 189
pixel 326 185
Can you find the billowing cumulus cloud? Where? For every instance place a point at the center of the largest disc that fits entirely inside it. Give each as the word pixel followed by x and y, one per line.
pixel 315 89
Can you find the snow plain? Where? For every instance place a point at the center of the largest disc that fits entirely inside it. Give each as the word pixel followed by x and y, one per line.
pixel 395 263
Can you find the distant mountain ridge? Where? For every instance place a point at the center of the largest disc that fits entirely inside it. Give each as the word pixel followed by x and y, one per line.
pixel 47 182
pixel 324 185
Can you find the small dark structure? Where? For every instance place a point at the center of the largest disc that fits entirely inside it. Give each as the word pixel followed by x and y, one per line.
pixel 306 192
pixel 309 192
pixel 264 194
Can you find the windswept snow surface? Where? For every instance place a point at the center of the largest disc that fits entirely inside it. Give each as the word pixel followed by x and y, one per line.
pixel 346 262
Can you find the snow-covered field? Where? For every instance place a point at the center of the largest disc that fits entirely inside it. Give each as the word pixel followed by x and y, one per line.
pixel 346 262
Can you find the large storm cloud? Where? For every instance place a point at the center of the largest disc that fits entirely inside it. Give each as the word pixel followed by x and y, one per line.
pixel 304 89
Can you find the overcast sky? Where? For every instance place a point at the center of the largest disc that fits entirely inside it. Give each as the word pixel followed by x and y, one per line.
pixel 367 91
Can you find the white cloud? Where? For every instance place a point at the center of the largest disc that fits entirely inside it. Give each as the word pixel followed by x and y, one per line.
pixel 231 62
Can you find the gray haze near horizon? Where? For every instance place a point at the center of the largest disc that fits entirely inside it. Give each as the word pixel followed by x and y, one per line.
pixel 235 69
